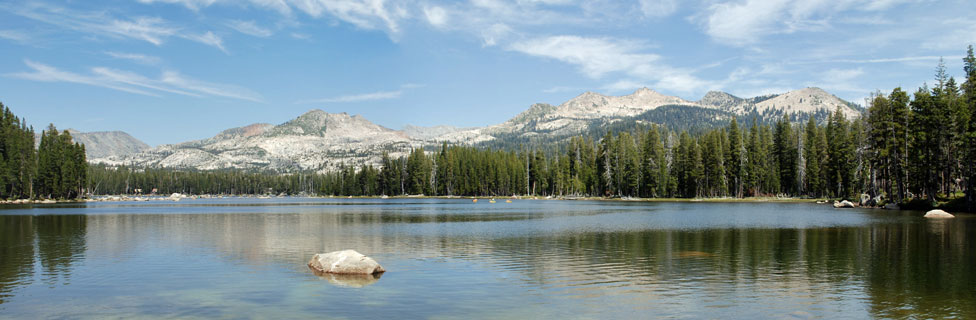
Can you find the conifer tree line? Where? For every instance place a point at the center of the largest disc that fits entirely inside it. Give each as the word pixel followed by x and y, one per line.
pixel 924 146
pixel 56 170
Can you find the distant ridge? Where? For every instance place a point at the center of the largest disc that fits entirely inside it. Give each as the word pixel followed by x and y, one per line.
pixel 322 141
pixel 102 144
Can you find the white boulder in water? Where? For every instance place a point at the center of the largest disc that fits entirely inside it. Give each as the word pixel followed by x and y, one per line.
pixel 843 204
pixel 938 214
pixel 344 262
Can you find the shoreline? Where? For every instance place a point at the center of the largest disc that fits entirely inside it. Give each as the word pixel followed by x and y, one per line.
pixel 126 198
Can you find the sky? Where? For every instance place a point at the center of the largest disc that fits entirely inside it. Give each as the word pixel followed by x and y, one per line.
pixel 168 71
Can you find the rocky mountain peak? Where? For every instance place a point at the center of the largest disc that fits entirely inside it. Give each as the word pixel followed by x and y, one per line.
pixel 720 99
pixel 645 91
pixel 246 131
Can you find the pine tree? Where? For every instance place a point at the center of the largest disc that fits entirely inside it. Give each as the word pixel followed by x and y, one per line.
pixel 785 152
pixel 652 162
pixel 812 155
pixel 754 161
pixel 736 171
pixel 629 165
pixel 969 139
pixel 605 165
pixel 840 157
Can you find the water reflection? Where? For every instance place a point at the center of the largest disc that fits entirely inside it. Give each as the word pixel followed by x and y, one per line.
pixel 348 280
pixel 16 253
pixel 60 243
pixel 574 260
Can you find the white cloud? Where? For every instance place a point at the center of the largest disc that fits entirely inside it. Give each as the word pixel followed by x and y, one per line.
pixel 208 38
pixel 496 32
pixel 126 81
pixel 381 95
pixel 658 8
pixel 154 30
pixel 177 80
pixel 748 21
pixel 840 80
pixel 249 28
pixel 149 29
pixel 14 35
pixel 597 57
pixel 372 96
pixel 140 58
pixel 278 5
pixel 191 4
pixel 743 23
pixel 45 73
pixel 562 89
pixel 891 60
pixel 594 56
pixel 436 16
pixel 366 14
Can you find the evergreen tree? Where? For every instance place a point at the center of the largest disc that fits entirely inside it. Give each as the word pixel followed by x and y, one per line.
pixel 813 155
pixel 736 170
pixel 840 157
pixel 652 164
pixel 785 151
pixel 629 167
pixel 605 165
pixel 969 139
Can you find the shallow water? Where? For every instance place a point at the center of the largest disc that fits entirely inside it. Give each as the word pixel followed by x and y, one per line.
pixel 451 258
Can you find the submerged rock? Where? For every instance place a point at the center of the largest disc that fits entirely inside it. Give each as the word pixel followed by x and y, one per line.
pixel 843 204
pixel 345 262
pixel 892 206
pixel 938 214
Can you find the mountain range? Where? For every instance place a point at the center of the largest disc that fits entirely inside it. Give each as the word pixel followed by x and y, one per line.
pixel 321 141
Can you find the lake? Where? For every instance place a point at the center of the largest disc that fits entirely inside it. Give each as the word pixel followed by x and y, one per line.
pixel 454 259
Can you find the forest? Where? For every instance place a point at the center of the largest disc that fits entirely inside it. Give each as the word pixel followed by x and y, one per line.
pixel 912 149
pixel 56 169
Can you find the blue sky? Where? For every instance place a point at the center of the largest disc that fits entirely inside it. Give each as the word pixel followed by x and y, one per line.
pixel 168 71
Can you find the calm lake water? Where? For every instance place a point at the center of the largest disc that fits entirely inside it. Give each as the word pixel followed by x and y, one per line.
pixel 447 258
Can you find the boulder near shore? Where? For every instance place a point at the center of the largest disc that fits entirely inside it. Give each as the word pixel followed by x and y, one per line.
pixel 344 262
pixel 843 204
pixel 938 214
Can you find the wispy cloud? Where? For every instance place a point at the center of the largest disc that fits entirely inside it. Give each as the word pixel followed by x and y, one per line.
pixel 597 57
pixel 436 16
pixel 126 81
pixel 208 38
pixel 135 57
pixel 191 4
pixel 47 73
pixel 889 60
pixel 372 96
pixel 658 8
pixel 14 35
pixel 840 80
pixel 154 30
pixel 249 28
pixel 562 89
pixel 380 95
pixel 747 22
pixel 366 14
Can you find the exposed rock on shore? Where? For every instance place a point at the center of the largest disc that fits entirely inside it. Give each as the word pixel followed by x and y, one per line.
pixel 938 214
